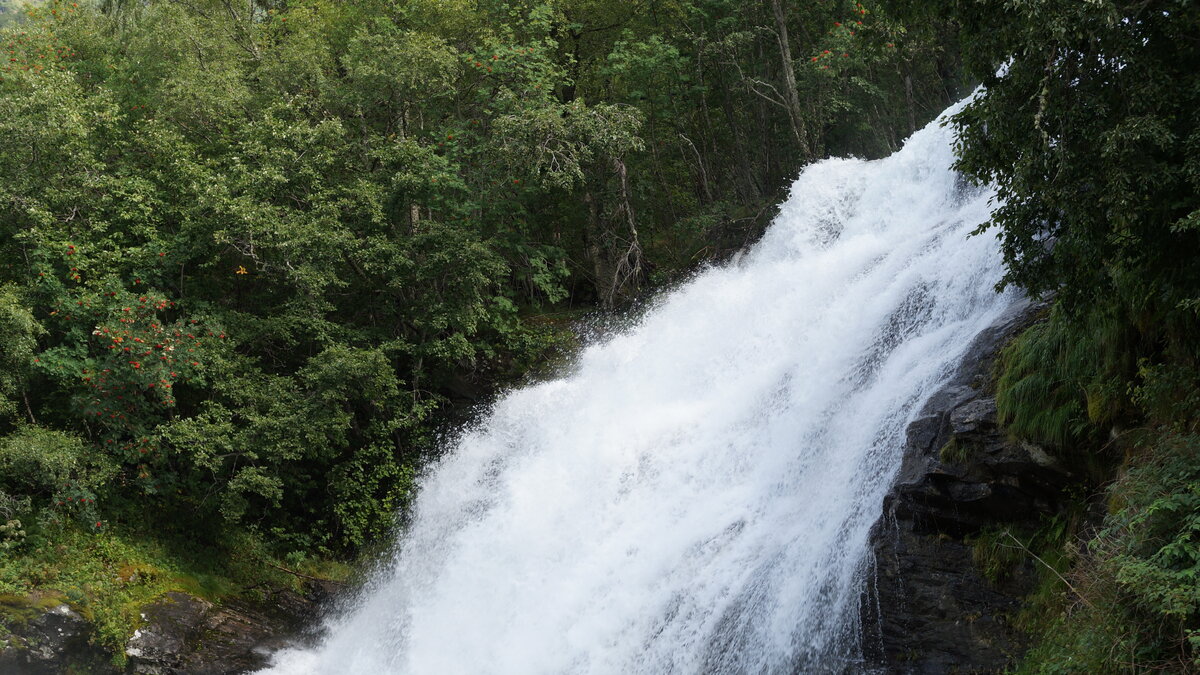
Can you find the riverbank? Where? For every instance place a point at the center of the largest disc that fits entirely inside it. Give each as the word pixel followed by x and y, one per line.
pixel 124 601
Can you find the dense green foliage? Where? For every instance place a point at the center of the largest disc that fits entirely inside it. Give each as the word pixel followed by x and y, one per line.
pixel 257 255
pixel 1090 127
pixel 1091 135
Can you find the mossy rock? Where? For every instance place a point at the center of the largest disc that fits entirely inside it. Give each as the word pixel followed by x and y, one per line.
pixel 42 634
pixel 18 610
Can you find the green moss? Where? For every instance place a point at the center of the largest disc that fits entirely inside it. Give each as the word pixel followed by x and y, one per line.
pixel 17 610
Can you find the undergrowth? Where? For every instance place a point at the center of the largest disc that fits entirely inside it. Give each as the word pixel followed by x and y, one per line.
pixel 1121 595
pixel 997 551
pixel 955 451
pixel 1128 599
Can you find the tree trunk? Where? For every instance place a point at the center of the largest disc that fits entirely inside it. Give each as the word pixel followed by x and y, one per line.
pixel 611 240
pixel 593 236
pixel 414 217
pixel 912 108
pixel 791 95
pixel 627 268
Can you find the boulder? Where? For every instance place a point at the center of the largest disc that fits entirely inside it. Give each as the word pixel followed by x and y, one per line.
pixel 186 634
pixel 40 634
pixel 928 609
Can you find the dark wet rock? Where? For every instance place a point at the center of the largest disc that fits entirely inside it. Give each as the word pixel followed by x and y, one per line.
pixel 928 609
pixel 186 634
pixel 172 624
pixel 39 637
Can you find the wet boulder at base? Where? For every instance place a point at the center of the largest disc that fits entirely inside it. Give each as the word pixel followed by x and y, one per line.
pixel 928 608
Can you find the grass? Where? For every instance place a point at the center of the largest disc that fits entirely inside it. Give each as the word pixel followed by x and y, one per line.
pixel 1120 595
pixel 1063 378
pixel 994 553
pixel 956 450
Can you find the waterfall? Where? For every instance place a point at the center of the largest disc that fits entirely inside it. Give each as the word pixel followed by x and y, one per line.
pixel 696 495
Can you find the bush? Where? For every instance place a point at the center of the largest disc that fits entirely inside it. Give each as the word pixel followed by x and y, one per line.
pixel 56 470
pixel 40 461
pixel 1131 599
pixel 1153 544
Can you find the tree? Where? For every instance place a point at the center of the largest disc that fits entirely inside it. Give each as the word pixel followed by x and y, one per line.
pixel 1088 126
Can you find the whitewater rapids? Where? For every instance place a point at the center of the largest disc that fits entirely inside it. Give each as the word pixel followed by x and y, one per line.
pixel 696 495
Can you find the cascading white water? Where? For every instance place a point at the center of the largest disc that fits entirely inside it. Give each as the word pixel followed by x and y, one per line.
pixel 696 496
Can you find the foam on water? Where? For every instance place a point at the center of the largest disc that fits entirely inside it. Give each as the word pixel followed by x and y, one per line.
pixel 696 496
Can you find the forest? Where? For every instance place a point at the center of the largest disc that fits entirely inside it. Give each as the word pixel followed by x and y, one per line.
pixel 260 257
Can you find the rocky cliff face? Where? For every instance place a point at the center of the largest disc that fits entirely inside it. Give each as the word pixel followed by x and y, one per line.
pixel 928 608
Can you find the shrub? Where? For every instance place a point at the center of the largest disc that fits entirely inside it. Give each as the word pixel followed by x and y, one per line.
pixel 56 469
pixel 18 340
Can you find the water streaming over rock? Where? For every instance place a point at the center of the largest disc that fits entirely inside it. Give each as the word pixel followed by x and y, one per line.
pixel 696 495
